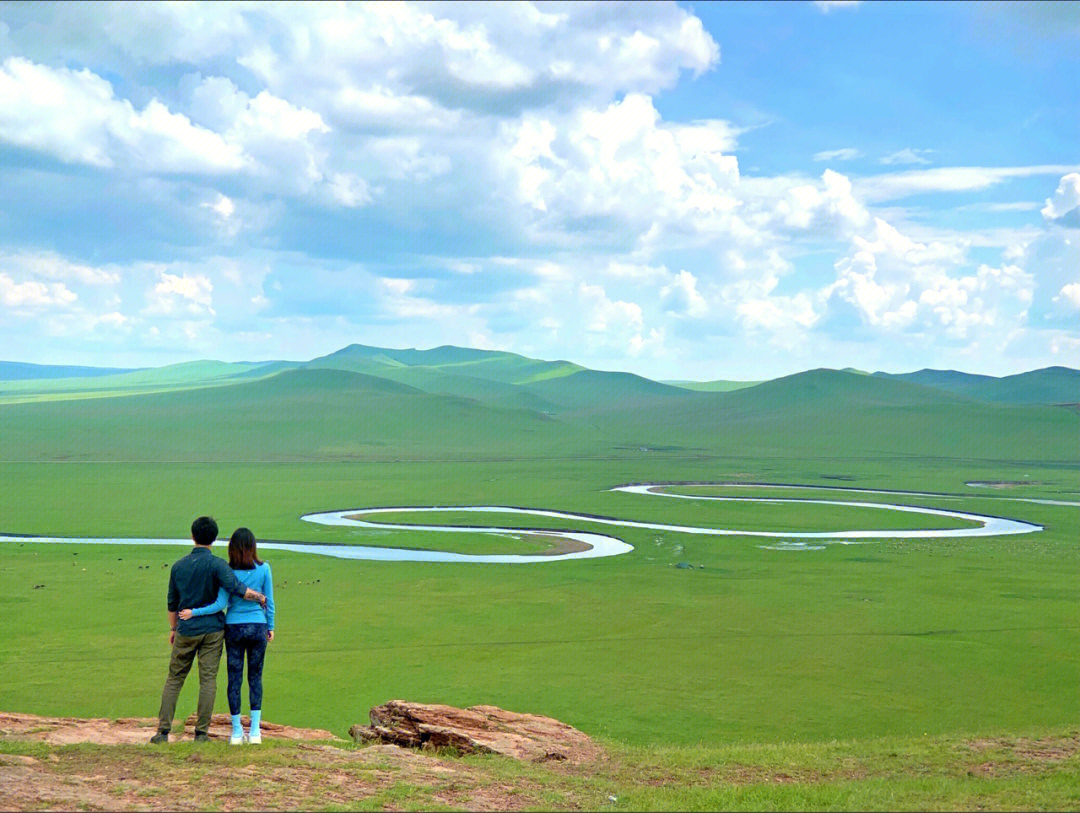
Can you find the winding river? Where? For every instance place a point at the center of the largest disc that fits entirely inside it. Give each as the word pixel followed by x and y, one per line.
pixel 593 545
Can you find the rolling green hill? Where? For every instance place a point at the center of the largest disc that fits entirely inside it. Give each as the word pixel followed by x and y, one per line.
pixel 595 389
pixel 20 371
pixel 376 403
pixel 825 387
pixel 830 413
pixel 301 414
pixel 1050 385
pixel 489 365
pixel 157 379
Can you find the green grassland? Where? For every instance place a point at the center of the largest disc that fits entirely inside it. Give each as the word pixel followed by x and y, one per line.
pixel 755 646
pixel 890 639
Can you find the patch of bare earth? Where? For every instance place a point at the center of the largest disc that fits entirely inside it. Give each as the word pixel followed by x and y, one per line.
pixel 130 774
pixel 310 777
pixel 560 545
pixel 1033 749
pixel 130 730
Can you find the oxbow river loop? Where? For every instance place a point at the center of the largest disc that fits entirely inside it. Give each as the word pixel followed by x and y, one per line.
pixel 594 545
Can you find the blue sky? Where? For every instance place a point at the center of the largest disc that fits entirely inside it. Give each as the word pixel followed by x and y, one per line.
pixel 728 190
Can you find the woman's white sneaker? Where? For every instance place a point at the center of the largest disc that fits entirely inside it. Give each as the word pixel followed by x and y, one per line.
pixel 254 739
pixel 236 740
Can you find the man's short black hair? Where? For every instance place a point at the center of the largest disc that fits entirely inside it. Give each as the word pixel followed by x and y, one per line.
pixel 204 531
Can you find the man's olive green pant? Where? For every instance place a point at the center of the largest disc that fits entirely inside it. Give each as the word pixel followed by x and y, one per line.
pixel 185 648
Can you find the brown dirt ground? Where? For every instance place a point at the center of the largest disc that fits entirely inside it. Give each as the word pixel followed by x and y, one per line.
pixel 137 776
pixel 1047 749
pixel 130 730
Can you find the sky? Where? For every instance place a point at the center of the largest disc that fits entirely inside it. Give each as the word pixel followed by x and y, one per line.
pixel 684 191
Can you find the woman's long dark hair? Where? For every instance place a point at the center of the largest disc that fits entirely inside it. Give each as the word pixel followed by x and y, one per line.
pixel 242 553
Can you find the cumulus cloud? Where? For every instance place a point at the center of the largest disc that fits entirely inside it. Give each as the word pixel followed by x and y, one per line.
pixel 623 168
pixel 32 295
pixel 180 295
pixel 1069 296
pixel 829 206
pixel 518 55
pixel 450 55
pixel 682 297
pixel 1064 207
pixel 502 172
pixel 75 116
pixel 223 206
pixel 890 282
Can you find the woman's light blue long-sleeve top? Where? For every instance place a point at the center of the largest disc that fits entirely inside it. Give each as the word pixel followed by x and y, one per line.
pixel 242 611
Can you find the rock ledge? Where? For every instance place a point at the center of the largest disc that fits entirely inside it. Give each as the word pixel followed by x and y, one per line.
pixel 479 729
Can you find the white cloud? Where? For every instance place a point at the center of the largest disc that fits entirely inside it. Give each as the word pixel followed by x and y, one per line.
pixel 1064 206
pixel 223 206
pixel 281 139
pixel 33 294
pixel 113 319
pixel 607 316
pixel 349 190
pixel 829 6
pixel 1009 206
pixel 397 286
pixel 623 169
pixel 509 51
pixel 50 265
pixel 906 156
pixel 1069 296
pixel 830 206
pixel 181 295
pixel 74 116
pixel 531 132
pixel 891 282
pixel 682 297
pixel 892 186
pixel 843 154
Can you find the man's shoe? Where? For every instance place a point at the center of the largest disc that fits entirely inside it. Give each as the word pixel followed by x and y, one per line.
pixel 201 736
pixel 159 738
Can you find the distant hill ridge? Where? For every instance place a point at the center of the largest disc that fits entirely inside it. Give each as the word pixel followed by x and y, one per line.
pixel 22 371
pixel 1049 385
pixel 505 379
pixel 376 403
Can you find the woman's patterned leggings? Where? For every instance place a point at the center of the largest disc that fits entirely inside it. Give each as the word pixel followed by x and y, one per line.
pixel 241 640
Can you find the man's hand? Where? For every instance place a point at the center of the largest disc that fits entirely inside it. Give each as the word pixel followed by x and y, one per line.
pixel 172 628
pixel 172 637
pixel 186 615
pixel 255 595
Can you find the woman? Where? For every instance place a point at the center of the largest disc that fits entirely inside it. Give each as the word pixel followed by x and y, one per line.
pixel 248 629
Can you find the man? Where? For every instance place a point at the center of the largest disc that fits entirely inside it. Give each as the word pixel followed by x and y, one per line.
pixel 194 582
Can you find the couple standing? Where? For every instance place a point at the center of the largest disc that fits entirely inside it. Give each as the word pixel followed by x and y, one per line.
pixel 201 588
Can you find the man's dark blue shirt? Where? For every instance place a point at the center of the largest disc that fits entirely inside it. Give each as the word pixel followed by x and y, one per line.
pixel 194 582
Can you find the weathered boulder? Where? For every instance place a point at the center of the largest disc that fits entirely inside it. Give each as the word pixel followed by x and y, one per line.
pixel 479 729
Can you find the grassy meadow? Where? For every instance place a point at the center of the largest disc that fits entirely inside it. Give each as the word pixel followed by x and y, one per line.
pixel 887 639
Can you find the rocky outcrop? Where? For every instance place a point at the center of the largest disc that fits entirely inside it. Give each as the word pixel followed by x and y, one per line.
pixel 479 729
